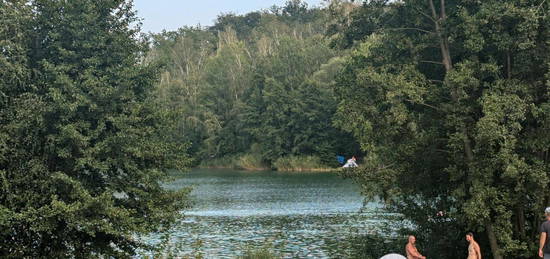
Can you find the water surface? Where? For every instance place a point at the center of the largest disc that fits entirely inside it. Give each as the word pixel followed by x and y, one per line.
pixel 294 214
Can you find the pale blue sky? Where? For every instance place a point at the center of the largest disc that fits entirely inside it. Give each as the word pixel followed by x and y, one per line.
pixel 173 14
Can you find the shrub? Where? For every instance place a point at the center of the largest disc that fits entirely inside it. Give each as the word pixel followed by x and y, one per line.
pixel 250 162
pixel 262 253
pixel 298 163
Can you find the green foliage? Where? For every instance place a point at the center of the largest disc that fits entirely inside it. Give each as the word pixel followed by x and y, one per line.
pixel 298 163
pixel 83 148
pixel 451 103
pixel 250 162
pixel 247 161
pixel 260 83
pixel 220 162
pixel 258 254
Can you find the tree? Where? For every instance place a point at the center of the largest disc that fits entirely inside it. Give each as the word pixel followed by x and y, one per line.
pixel 83 148
pixel 227 76
pixel 449 98
pixel 290 112
pixel 184 55
pixel 254 84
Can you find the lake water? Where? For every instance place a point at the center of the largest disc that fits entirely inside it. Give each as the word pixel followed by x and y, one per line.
pixel 296 215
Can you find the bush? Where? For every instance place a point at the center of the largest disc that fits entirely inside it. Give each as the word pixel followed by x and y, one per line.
pixel 220 162
pixel 299 163
pixel 262 253
pixel 253 161
pixel 250 162
pixel 245 161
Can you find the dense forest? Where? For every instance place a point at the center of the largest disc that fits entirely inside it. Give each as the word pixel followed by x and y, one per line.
pixel 451 100
pixel 446 102
pixel 256 90
pixel 82 144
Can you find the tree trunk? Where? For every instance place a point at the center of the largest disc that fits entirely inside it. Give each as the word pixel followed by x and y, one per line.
pixel 520 214
pixel 508 65
pixel 443 42
pixel 468 150
pixel 493 240
pixel 448 63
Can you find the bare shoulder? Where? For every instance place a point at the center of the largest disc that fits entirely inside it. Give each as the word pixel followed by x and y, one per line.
pixel 476 245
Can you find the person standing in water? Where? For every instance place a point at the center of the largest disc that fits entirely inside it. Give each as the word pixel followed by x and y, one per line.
pixel 473 249
pixel 410 249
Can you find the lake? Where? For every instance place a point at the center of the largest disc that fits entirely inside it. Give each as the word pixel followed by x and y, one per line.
pixel 295 214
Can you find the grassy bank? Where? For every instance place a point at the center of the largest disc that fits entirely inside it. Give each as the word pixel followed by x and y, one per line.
pixel 254 162
pixel 238 162
pixel 300 164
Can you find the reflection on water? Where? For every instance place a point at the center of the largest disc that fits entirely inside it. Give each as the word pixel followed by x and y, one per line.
pixel 296 214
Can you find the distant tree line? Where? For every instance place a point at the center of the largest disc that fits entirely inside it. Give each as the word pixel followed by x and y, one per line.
pixel 258 85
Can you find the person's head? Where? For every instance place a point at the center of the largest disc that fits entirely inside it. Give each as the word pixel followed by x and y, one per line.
pixel 547 212
pixel 412 239
pixel 469 236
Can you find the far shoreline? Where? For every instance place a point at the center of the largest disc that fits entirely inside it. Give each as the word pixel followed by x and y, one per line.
pixel 290 170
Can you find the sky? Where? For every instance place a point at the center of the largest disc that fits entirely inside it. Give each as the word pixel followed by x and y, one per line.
pixel 173 14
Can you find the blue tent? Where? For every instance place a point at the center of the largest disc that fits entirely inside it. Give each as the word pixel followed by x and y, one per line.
pixel 341 159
